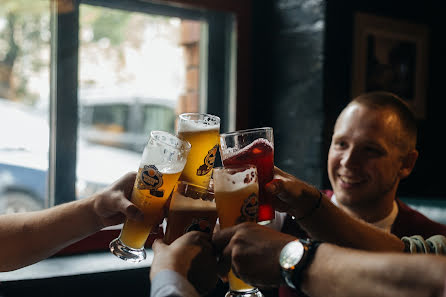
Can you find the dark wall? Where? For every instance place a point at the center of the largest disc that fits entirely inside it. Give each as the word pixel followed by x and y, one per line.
pixel 287 76
pixel 302 100
pixel 427 178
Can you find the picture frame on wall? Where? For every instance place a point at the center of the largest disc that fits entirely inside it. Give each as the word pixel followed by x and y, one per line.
pixel 391 55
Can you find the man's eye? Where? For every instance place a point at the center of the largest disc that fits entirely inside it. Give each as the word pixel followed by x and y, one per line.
pixel 373 150
pixel 340 144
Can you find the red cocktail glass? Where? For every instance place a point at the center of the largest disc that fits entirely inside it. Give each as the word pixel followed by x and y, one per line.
pixel 256 147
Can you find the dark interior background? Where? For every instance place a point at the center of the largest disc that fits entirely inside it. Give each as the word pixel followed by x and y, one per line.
pixel 307 72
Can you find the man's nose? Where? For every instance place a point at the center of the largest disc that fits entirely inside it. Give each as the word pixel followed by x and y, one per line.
pixel 351 158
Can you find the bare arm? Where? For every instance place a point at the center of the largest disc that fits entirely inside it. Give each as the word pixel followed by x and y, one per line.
pixel 334 271
pixel 337 271
pixel 325 221
pixel 27 238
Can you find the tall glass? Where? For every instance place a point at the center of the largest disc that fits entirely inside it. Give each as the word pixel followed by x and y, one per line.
pixel 236 195
pixel 256 147
pixel 202 131
pixel 192 208
pixel 162 162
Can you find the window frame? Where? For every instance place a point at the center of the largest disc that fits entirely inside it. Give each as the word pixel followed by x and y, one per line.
pixel 64 74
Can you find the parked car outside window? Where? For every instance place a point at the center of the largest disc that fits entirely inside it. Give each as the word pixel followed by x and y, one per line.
pixel 24 144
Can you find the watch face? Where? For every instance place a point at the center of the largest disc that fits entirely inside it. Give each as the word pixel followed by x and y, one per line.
pixel 291 254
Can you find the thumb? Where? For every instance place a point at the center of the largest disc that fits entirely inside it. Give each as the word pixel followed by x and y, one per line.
pixel 158 245
pixel 275 187
pixel 281 189
pixel 129 209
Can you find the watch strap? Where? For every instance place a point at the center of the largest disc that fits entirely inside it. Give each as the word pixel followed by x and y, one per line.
pixel 293 277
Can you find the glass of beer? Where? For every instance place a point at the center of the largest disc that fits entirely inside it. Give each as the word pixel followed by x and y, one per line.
pixel 256 147
pixel 162 162
pixel 192 208
pixel 202 131
pixel 236 195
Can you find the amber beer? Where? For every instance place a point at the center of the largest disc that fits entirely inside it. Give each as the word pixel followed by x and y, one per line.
pixel 192 208
pixel 162 162
pixel 134 234
pixel 236 195
pixel 202 131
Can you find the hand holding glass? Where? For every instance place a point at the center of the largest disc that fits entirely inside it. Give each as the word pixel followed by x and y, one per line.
pixel 162 162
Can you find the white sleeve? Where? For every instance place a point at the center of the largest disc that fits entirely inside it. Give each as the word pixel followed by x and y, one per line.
pixel 168 283
pixel 277 223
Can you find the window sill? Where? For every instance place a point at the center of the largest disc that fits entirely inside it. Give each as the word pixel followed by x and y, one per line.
pixel 63 266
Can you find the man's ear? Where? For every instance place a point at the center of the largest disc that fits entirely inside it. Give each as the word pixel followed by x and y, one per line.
pixel 408 163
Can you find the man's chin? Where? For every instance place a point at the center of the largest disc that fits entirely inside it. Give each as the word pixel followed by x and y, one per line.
pixel 347 198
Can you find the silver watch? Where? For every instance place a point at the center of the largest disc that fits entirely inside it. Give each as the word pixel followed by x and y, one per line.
pixel 294 258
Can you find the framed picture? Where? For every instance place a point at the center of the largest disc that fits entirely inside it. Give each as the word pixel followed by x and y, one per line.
pixel 391 55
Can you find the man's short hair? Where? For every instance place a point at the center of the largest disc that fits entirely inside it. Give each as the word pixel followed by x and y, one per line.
pixel 390 101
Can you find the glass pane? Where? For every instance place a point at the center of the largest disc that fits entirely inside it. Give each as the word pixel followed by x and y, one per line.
pixel 136 73
pixel 24 95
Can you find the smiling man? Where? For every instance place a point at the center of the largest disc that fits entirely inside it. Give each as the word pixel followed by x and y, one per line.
pixel 373 148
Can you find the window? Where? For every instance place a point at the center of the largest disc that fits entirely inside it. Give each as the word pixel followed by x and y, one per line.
pixel 91 79
pixel 24 96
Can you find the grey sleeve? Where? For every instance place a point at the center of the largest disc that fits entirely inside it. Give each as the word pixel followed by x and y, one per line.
pixel 168 283
pixel 417 245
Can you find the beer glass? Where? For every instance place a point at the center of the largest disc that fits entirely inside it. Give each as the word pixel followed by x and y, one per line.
pixel 192 208
pixel 162 162
pixel 236 195
pixel 256 147
pixel 202 131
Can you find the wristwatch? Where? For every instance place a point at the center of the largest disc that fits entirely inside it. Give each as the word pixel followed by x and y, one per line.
pixel 294 258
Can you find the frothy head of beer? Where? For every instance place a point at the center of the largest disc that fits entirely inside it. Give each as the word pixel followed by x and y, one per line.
pixel 193 126
pixel 258 146
pixel 234 178
pixel 195 122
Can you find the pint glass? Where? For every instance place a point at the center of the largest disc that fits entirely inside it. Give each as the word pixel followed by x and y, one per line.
pixel 192 208
pixel 236 195
pixel 202 131
pixel 256 147
pixel 162 162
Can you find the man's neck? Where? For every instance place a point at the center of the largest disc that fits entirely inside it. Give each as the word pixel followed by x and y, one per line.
pixel 370 213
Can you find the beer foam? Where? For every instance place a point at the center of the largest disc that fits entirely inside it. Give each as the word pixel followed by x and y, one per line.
pixel 193 126
pixel 166 168
pixel 234 182
pixel 231 152
pixel 180 202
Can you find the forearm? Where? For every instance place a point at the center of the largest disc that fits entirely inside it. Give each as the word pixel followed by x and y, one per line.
pixel 30 237
pixel 331 224
pixel 338 271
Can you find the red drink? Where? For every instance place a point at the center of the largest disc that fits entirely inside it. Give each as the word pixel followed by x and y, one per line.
pixel 261 154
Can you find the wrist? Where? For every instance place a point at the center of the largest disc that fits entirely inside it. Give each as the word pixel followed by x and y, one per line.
pixel 91 207
pixel 314 274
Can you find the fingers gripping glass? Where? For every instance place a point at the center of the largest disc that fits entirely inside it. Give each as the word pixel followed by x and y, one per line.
pixel 162 162
pixel 236 191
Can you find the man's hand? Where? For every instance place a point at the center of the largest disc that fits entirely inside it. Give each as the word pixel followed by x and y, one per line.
pixel 112 205
pixel 191 255
pixel 290 194
pixel 253 251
